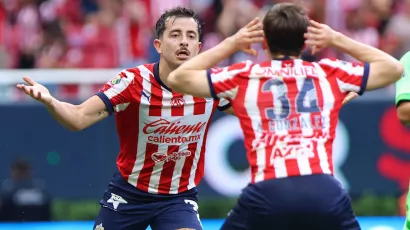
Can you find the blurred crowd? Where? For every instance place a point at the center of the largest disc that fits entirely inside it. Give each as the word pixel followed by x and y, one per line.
pixel 119 33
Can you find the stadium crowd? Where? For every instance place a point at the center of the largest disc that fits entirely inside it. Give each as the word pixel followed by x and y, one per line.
pixel 119 33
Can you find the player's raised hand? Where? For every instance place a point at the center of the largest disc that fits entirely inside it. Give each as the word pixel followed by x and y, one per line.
pixel 319 36
pixel 35 90
pixel 349 97
pixel 249 34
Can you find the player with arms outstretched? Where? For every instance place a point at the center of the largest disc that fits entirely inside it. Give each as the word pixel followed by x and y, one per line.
pixel 162 133
pixel 288 110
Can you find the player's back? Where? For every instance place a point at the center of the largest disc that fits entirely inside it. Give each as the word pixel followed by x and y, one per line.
pixel 288 111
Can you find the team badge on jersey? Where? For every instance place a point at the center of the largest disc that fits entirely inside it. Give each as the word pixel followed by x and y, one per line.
pixel 116 80
pixel 177 102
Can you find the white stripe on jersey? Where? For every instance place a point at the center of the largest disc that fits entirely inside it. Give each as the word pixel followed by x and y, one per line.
pixel 156 171
pixel 251 106
pixel 327 107
pixel 208 110
pixel 142 139
pixel 121 86
pixel 346 67
pixel 346 87
pixel 303 162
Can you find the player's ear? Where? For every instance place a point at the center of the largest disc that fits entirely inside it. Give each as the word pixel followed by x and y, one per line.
pixel 199 46
pixel 157 45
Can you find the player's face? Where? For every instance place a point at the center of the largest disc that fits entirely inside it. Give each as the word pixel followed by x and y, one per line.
pixel 180 41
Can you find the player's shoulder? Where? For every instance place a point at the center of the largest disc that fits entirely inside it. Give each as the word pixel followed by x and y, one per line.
pixel 137 72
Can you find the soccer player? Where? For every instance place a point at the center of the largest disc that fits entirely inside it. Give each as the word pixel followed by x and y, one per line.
pixel 403 112
pixel 288 111
pixel 162 133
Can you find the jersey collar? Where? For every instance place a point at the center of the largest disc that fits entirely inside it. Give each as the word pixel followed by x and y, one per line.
pixel 157 78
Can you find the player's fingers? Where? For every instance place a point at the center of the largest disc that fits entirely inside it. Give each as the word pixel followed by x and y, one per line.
pixel 315 24
pixel 29 81
pixel 257 26
pixel 251 51
pixel 312 43
pixel 258 33
pixel 252 23
pixel 313 30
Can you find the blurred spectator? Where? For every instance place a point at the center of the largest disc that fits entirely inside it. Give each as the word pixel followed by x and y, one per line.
pixel 22 197
pixel 398 31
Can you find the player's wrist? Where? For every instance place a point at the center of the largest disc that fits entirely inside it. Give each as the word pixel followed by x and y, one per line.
pixel 50 103
pixel 337 41
pixel 230 44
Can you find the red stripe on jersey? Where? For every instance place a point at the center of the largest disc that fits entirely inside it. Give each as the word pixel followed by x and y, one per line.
pixel 129 136
pixel 167 171
pixel 186 169
pixel 199 106
pixel 200 167
pixel 333 116
pixel 178 108
pixel 145 173
pixel 292 166
pixel 155 105
pixel 315 161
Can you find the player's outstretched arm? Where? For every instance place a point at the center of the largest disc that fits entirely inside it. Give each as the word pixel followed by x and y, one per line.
pixel 191 76
pixel 73 117
pixel 384 69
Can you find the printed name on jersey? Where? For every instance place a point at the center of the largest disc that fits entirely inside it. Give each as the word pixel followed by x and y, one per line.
pixel 164 131
pixel 159 157
pixel 285 72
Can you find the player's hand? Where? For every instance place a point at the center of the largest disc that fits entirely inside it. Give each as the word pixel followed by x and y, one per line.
pixel 319 36
pixel 349 97
pixel 249 34
pixel 35 90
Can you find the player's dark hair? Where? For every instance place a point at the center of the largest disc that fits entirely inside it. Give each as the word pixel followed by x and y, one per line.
pixel 176 12
pixel 284 26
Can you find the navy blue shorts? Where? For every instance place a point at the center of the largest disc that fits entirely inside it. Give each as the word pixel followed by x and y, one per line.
pixel 124 207
pixel 307 202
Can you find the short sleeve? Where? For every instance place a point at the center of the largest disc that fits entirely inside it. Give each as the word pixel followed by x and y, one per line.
pixel 403 85
pixel 351 77
pixel 223 82
pixel 117 91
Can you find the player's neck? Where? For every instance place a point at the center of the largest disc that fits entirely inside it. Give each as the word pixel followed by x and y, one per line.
pixel 281 57
pixel 164 70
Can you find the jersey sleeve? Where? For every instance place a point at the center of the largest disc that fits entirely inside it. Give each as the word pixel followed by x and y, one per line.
pixel 223 82
pixel 403 85
pixel 351 77
pixel 117 91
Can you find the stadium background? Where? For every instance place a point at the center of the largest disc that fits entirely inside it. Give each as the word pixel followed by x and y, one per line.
pixel 73 46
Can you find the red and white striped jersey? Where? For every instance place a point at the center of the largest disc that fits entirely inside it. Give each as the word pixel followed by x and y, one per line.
pixel 288 111
pixel 162 134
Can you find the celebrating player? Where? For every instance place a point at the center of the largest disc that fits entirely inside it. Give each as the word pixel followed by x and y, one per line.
pixel 288 111
pixel 162 133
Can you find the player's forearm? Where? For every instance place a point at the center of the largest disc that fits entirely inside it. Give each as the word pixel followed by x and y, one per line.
pixel 360 51
pixel 211 57
pixel 389 67
pixel 66 114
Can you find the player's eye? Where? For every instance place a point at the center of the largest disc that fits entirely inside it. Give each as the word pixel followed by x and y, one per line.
pixel 192 36
pixel 174 35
